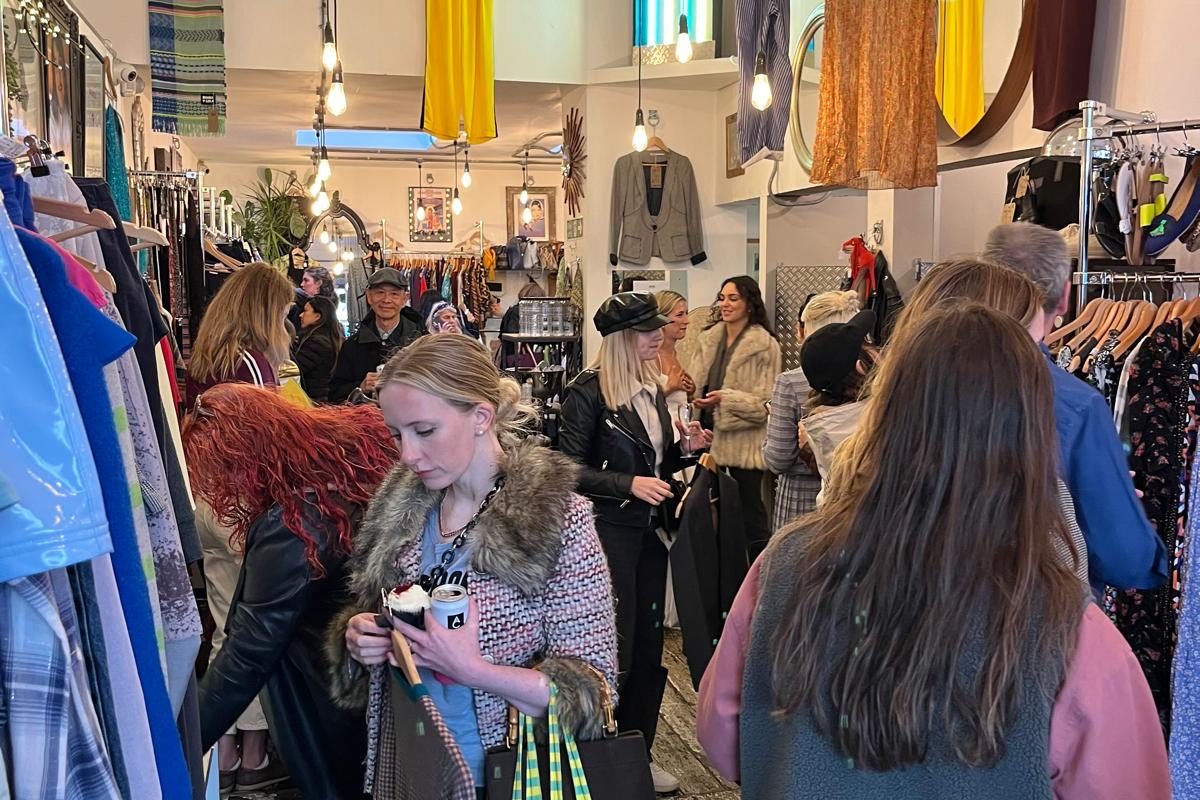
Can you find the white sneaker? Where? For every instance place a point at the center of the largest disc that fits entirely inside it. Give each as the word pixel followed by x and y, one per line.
pixel 664 782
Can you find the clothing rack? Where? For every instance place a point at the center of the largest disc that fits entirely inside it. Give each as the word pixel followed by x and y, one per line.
pixel 1128 123
pixel 1082 278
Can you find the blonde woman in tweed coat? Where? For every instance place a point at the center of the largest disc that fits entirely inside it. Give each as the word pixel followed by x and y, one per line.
pixel 501 517
pixel 735 362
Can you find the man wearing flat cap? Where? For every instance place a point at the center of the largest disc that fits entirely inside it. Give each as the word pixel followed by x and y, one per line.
pixel 389 326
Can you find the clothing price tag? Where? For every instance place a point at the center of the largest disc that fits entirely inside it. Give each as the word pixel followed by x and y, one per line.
pixel 1006 216
pixel 1022 186
pixel 656 176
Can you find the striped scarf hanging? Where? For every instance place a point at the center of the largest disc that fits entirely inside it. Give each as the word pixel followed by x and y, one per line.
pixel 187 67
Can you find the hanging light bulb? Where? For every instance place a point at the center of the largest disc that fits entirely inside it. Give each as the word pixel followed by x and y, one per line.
pixel 323 237
pixel 333 245
pixel 524 196
pixel 347 255
pixel 314 188
pixel 339 268
pixel 527 215
pixel 640 139
pixel 525 180
pixel 466 176
pixel 321 204
pixel 420 194
pixel 329 53
pixel 683 45
pixel 456 204
pixel 760 93
pixel 323 168
pixel 335 99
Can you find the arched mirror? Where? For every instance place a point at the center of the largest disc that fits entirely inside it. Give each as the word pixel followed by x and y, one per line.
pixel 806 69
pixel 984 60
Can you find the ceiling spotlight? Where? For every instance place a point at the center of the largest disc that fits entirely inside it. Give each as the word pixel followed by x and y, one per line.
pixel 335 100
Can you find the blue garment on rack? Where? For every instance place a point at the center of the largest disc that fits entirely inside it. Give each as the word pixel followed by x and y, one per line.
pixel 89 341
pixel 1185 676
pixel 114 163
pixel 59 517
pixel 18 200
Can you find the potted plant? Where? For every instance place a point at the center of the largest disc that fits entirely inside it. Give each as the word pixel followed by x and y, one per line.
pixel 270 219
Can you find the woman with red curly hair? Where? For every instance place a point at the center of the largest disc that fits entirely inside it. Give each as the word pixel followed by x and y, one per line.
pixel 291 484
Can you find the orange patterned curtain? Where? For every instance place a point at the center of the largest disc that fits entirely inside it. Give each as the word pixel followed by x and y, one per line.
pixel 877 127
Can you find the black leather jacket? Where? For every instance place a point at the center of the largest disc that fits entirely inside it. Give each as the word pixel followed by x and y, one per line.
pixel 614 449
pixel 276 628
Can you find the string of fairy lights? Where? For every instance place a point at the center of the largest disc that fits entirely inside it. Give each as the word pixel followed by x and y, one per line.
pixel 36 22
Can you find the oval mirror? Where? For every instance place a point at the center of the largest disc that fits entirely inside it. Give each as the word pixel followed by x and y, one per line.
pixel 806 90
pixel 983 63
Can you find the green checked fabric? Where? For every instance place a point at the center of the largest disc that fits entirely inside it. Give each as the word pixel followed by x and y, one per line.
pixel 187 66
pixel 532 780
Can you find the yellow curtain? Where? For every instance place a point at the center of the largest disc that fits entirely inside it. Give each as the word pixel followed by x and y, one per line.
pixel 959 79
pixel 459 70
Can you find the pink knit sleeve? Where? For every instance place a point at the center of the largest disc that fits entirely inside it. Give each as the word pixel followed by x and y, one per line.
pixel 1105 739
pixel 580 614
pixel 720 705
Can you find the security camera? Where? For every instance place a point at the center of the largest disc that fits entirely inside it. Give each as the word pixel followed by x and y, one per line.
pixel 126 73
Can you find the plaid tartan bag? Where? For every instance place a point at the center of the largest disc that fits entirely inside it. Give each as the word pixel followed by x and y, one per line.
pixel 614 767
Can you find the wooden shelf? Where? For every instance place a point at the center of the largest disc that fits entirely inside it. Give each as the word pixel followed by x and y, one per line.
pixel 708 74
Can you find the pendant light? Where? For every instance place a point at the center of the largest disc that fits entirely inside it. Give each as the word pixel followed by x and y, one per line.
pixel 640 139
pixel 321 204
pixel 347 255
pixel 760 93
pixel 527 215
pixel 683 45
pixel 329 53
pixel 420 195
pixel 333 242
pixel 466 175
pixel 525 180
pixel 335 100
pixel 339 268
pixel 323 237
pixel 456 203
pixel 323 168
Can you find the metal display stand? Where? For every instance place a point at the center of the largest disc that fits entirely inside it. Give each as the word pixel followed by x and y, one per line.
pixel 1127 122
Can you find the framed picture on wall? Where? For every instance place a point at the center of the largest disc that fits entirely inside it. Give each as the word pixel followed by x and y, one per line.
pixel 438 225
pixel 543 213
pixel 62 81
pixel 733 153
pixel 91 110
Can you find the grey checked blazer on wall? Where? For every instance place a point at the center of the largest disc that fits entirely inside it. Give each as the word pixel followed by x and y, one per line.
pixel 676 234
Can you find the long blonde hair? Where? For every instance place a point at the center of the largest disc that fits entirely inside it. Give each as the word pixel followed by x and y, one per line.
pixel 246 314
pixel 666 300
pixel 622 373
pixel 460 371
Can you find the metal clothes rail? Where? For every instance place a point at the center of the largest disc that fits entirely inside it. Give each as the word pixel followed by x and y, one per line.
pixel 1127 123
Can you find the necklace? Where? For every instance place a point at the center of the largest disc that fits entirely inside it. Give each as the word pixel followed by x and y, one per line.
pixel 438 573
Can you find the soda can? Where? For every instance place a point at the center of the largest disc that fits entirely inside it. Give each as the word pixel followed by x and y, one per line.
pixel 448 604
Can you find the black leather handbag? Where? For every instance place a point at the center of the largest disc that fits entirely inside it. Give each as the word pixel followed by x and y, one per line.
pixel 614 767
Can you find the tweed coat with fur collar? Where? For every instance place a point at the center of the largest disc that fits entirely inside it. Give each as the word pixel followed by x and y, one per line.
pixel 741 418
pixel 539 576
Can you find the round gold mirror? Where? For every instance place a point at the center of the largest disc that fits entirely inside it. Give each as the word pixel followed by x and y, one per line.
pixel 984 60
pixel 806 86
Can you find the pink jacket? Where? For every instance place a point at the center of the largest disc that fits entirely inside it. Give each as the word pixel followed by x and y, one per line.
pixel 1105 738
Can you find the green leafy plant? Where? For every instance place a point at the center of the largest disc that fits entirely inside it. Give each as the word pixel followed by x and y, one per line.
pixel 270 218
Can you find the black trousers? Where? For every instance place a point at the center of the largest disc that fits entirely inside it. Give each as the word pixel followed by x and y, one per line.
pixel 754 511
pixel 637 561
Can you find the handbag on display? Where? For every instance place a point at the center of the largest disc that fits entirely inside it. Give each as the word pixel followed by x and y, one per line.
pixel 614 767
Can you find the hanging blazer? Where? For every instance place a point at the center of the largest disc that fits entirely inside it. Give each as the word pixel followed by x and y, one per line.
pixel 676 234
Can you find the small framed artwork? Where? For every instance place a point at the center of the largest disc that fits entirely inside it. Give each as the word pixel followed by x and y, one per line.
pixel 575 228
pixel 438 225
pixel 733 153
pixel 60 100
pixel 543 213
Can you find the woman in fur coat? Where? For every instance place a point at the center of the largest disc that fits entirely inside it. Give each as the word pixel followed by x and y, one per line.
pixel 472 505
pixel 735 362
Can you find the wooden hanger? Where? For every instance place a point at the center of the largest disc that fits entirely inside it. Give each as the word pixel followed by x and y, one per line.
pixel 1141 324
pixel 1099 322
pixel 225 260
pixel 93 220
pixel 1086 316
pixel 144 234
pixel 708 462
